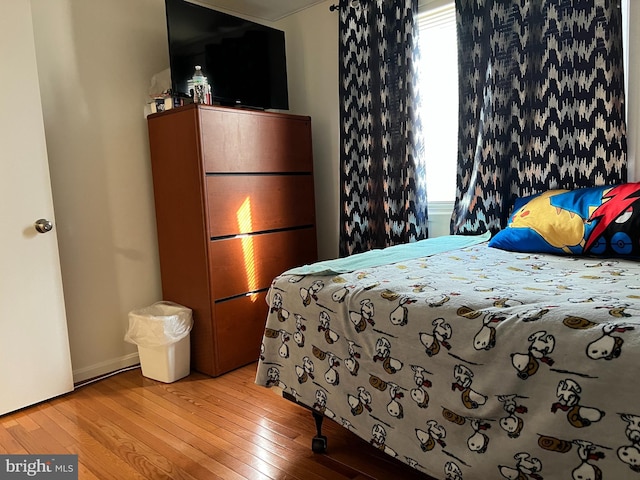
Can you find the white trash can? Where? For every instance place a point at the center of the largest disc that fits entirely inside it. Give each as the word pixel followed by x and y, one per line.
pixel 161 332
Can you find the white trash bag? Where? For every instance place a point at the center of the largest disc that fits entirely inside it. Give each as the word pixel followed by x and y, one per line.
pixel 160 324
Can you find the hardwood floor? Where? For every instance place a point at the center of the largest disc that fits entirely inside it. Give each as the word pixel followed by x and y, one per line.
pixel 130 427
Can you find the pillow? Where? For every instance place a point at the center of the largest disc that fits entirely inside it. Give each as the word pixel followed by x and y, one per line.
pixel 602 221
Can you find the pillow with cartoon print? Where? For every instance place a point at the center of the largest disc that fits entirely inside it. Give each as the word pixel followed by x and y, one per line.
pixel 602 221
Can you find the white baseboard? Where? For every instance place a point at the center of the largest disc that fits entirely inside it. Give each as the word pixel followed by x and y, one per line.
pixel 439 218
pixel 104 368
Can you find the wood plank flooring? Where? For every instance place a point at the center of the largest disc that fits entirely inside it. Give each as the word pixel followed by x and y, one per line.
pixel 130 427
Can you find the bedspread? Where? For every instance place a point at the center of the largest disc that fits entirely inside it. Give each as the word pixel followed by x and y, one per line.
pixel 472 364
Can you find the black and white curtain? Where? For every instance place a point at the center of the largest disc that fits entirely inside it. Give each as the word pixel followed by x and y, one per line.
pixel 541 103
pixel 383 202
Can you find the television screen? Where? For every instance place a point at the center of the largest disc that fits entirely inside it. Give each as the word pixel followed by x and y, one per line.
pixel 245 62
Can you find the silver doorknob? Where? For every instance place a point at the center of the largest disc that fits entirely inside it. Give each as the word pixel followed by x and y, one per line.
pixel 43 225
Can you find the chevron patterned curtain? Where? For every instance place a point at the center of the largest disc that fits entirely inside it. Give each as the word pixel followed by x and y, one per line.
pixel 383 200
pixel 541 103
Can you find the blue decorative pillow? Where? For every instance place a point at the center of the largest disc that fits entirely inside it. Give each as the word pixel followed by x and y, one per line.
pixel 602 221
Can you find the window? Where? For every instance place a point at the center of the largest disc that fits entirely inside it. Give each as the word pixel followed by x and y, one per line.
pixel 439 93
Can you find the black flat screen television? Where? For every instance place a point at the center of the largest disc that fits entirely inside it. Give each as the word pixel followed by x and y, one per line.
pixel 245 62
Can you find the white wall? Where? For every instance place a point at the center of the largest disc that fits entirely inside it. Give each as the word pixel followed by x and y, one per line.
pixel 312 67
pixel 95 60
pixel 633 93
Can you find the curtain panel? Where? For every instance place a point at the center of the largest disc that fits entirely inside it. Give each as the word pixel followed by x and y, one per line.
pixel 383 200
pixel 541 103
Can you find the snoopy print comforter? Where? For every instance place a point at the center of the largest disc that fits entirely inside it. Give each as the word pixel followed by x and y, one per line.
pixel 474 364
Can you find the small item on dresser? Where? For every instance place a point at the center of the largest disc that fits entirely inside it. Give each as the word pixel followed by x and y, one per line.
pixel 160 96
pixel 199 87
pixel 164 103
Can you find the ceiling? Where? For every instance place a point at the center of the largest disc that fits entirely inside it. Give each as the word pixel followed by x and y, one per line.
pixel 270 10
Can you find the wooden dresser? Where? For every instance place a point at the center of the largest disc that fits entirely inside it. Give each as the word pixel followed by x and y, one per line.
pixel 234 202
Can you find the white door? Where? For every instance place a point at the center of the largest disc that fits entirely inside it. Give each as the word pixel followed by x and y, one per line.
pixel 34 346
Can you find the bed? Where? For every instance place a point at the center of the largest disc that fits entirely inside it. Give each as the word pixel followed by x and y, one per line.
pixel 466 361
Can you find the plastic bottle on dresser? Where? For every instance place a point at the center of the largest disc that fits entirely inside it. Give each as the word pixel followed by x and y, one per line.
pixel 199 87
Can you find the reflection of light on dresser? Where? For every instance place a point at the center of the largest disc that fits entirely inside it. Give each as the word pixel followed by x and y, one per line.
pixel 245 225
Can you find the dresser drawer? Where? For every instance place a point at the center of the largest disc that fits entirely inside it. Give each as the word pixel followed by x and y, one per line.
pixel 253 203
pixel 247 141
pixel 240 326
pixel 250 263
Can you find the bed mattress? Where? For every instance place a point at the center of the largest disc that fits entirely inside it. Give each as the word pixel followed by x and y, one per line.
pixel 474 363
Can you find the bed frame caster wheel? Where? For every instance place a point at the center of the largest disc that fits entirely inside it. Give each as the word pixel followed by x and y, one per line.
pixel 319 444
